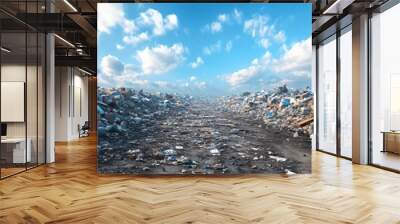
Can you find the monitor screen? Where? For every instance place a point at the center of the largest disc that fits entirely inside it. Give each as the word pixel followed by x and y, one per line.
pixel 3 129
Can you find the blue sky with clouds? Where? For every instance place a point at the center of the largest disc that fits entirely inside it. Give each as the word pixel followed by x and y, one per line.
pixel 213 49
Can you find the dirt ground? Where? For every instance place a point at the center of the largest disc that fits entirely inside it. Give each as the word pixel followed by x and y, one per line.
pixel 204 138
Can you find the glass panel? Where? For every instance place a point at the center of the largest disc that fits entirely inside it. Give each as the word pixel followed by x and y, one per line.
pixel 41 99
pixel 13 80
pixel 23 90
pixel 31 99
pixel 346 94
pixel 32 87
pixel 385 84
pixel 327 96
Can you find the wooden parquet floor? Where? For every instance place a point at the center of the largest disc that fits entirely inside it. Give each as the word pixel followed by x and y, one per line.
pixel 70 191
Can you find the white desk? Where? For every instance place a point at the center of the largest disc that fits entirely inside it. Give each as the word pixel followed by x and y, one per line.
pixel 19 153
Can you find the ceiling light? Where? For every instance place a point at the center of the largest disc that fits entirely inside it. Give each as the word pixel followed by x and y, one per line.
pixel 5 50
pixel 70 5
pixel 337 7
pixel 64 40
pixel 84 71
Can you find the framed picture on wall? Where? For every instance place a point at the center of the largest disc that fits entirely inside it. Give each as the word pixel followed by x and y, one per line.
pixel 202 88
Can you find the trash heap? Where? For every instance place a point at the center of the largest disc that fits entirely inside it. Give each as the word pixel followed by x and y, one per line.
pixel 281 108
pixel 121 109
pixel 161 133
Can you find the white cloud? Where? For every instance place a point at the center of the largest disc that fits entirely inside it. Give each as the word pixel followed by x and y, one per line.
pixel 280 36
pixel 160 59
pixel 111 66
pixel 162 84
pixel 216 27
pixel 194 82
pixel 125 80
pixel 159 24
pixel 242 76
pixel 201 85
pixel 199 61
pixel 295 60
pixel 264 42
pixel 171 22
pixel 223 18
pixel 111 15
pixel 133 40
pixel 262 31
pixel 257 26
pixel 257 68
pixel 129 26
pixel 119 47
pixel 228 46
pixel 216 47
pixel 237 15
pixel 114 73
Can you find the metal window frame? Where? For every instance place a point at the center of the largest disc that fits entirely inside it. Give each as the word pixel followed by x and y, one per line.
pixel 339 32
pixel 387 5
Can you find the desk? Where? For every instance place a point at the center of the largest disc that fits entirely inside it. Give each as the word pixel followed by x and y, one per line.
pixel 391 141
pixel 15 148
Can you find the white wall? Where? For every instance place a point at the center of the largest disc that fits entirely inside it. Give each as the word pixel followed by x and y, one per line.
pixel 61 103
pixel 33 127
pixel 70 83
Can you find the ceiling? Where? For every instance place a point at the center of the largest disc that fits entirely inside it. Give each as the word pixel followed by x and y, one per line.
pixel 331 15
pixel 74 22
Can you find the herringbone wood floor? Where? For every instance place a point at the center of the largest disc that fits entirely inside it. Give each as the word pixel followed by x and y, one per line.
pixel 70 191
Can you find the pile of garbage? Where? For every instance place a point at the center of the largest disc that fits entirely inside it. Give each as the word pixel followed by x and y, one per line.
pixel 162 133
pixel 120 110
pixel 281 108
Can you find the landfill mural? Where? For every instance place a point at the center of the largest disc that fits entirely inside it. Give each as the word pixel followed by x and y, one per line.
pixel 204 88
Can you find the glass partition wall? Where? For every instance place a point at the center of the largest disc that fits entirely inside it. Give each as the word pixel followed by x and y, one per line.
pixel 334 94
pixel 345 90
pixel 22 77
pixel 385 89
pixel 327 95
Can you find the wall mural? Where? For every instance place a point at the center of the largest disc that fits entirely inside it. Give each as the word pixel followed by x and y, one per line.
pixel 204 88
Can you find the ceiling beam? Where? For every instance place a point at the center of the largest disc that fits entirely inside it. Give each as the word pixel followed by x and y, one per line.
pixel 78 61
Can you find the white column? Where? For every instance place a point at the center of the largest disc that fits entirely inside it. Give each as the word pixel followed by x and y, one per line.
pixel 50 100
pixel 360 90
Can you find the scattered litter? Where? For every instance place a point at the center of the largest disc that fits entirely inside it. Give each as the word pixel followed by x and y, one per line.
pixel 278 159
pixel 214 152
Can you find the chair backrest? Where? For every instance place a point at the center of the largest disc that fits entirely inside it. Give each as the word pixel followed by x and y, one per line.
pixel 86 125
